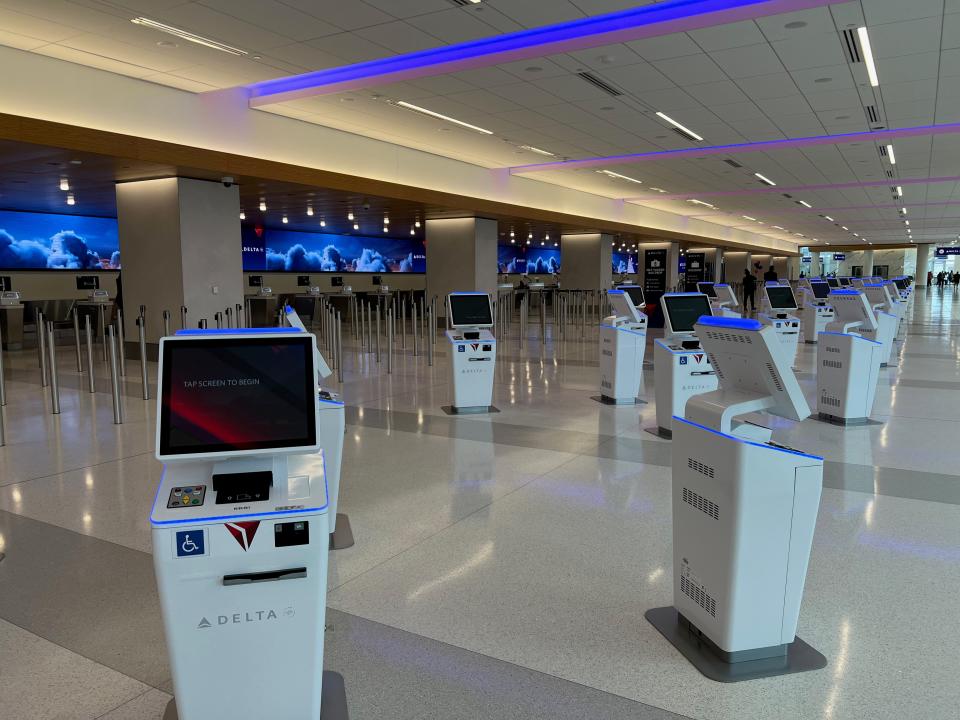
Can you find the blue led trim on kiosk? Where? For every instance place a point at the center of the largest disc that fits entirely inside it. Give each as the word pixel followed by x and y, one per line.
pixel 620 329
pixel 841 291
pixel 239 331
pixel 765 446
pixel 729 322
pixel 861 337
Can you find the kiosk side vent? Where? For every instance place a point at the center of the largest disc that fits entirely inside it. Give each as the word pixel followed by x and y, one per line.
pixel 835 364
pixel 828 400
pixel 729 337
pixel 707 507
pixel 700 467
pixel 698 595
pixel 776 378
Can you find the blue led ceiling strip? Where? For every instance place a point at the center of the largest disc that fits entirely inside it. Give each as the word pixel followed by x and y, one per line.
pixel 671 16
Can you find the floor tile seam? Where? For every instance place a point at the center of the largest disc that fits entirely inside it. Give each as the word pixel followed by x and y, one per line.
pixel 75 469
pixel 127 702
pixel 479 654
pixel 454 523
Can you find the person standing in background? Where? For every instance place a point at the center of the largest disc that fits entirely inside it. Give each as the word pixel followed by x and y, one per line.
pixel 749 291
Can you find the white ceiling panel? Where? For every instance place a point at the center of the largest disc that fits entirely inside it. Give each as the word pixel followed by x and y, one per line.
pixel 879 12
pixel 638 78
pixel 531 13
pixel 275 17
pixel 810 51
pixel 398 37
pixel 662 48
pixel 490 77
pixel 784 106
pixel 717 92
pixel 455 25
pixel 526 94
pixel 350 47
pixel 906 38
pixel 765 87
pixel 346 15
pixel 750 61
pixel 732 35
pixel 690 69
pixel 225 28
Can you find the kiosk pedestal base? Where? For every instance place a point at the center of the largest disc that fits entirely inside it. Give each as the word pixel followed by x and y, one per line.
pixel 342 536
pixel 607 400
pixel 661 432
pixel 334 702
pixel 799 657
pixel 846 422
pixel 478 410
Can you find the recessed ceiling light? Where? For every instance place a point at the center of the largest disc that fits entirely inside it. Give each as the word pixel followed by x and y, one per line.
pixel 900 190
pixel 309 211
pixel 537 150
pixel 71 200
pixel 533 69
pixel 416 223
pixel 263 206
pixel 659 190
pixel 186 35
pixel 844 227
pixel 701 202
pixel 795 25
pixel 618 176
pixel 827 217
pixel 747 217
pixel 323 223
pixel 890 156
pixel 439 116
pixel 386 229
pixel 765 179
pixel 243 216
pixel 64 184
pixel 350 216
pixel 386 220
pixel 284 220
pixel 823 80
pixel 805 203
pixel 166 44
pixel 903 210
pixel 356 226
pixel 777 227
pixel 680 127
pixel 867 53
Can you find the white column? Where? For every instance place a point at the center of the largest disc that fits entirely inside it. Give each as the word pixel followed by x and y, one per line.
pixel 586 261
pixel 461 257
pixel 924 263
pixel 868 263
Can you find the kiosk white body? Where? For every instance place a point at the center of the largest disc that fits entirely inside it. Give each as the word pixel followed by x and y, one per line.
pixel 473 350
pixel 723 300
pixel 817 313
pixel 744 510
pixel 888 320
pixel 240 523
pixel 848 363
pixel 623 342
pixel 682 369
pixel 781 303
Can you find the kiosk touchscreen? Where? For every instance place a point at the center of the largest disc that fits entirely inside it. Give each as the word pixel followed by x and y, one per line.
pixel 473 352
pixel 623 342
pixel 744 512
pixel 724 302
pixel 848 362
pixel 707 289
pixel 782 304
pixel 682 369
pixel 888 319
pixel 817 312
pixel 240 526
pixel 833 282
pixel 844 281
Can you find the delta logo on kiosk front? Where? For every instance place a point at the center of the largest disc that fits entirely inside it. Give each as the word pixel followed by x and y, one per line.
pixel 243 532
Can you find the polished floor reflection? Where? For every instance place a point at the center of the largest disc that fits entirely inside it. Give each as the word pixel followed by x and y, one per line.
pixel 503 562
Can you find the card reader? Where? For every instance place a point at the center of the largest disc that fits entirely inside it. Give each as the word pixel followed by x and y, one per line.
pixel 242 486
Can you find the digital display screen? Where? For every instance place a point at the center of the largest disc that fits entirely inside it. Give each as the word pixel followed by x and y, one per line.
pixel 685 310
pixel 513 259
pixel 624 262
pixel 781 298
pixel 820 290
pixel 833 282
pixel 227 394
pixel 844 281
pixel 707 289
pixel 902 284
pixel 470 310
pixel 47 241
pixel 636 296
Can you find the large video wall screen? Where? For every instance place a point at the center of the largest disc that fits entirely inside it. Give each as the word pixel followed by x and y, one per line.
pixel 47 241
pixel 293 251
pixel 524 259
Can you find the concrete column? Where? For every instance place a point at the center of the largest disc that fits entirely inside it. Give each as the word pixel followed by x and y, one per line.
pixel 461 257
pixel 587 262
pixel 179 245
pixel 868 263
pixel 815 269
pixel 794 266
pixel 734 263
pixel 782 265
pixel 924 263
pixel 718 264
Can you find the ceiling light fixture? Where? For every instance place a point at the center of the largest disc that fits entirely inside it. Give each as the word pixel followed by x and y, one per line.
pixel 412 231
pixel 309 211
pixel 386 220
pixel 701 202
pixel 323 223
pixel 777 227
pixel 431 113
pixel 844 227
pixel 805 203
pixel 867 52
pixel 285 220
pixel 263 206
pixel 64 184
pixel 747 217
pixel 890 156
pixel 900 190
pixel 903 210
pixel 906 222
pixel 71 200
pixel 618 176
pixel 350 216
pixel 243 216
pixel 416 223
pixel 189 36
pixel 680 127
pixel 386 229
pixel 827 217
pixel 765 179
pixel 537 150
pixel 356 226
pixel 659 190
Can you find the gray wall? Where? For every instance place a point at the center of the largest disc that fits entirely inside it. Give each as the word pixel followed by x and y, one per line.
pixel 57 284
pixel 587 262
pixel 461 256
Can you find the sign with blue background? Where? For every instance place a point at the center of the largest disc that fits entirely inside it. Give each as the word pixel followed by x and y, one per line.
pixel 191 543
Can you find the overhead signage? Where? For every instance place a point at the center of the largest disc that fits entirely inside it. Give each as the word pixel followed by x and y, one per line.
pixel 696 270
pixel 839 256
pixel 806 259
pixel 655 271
pixel 944 251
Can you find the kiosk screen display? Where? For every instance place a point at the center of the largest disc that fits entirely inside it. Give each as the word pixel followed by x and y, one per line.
pixel 781 298
pixel 833 282
pixel 902 284
pixel 230 394
pixel 685 310
pixel 707 289
pixel 820 290
pixel 844 282
pixel 470 310
pixel 636 296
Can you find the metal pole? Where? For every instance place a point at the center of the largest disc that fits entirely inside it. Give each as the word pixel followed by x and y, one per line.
pixel 121 341
pixel 378 332
pixel 403 324
pixel 240 320
pixel 38 324
pixel 90 382
pixel 54 378
pixel 339 349
pixel 413 322
pixel 114 378
pixel 103 331
pixel 433 317
pixel 76 339
pixel 229 313
pixel 202 324
pixel 390 341
pixel 3 389
pixel 141 328
pixel 166 323
pixel 42 347
pixel 429 344
pixel 3 441
pixel 217 320
pixel 183 317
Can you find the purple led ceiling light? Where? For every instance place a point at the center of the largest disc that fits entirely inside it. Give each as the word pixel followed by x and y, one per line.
pixel 663 18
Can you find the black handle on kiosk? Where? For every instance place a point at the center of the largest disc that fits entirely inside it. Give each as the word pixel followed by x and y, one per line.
pixel 269 576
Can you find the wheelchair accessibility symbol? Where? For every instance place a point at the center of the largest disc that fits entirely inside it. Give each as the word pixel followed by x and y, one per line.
pixel 190 543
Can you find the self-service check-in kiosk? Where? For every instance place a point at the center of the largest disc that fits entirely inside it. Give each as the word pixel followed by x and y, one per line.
pixel 724 302
pixel 848 362
pixel 473 352
pixel 781 303
pixel 817 312
pixel 744 512
pixel 681 367
pixel 331 421
pixel 623 341
pixel 888 320
pixel 240 526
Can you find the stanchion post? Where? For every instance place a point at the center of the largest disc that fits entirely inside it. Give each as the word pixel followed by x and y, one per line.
pixel 241 322
pixel 121 340
pixel 378 332
pixel 144 381
pixel 3 383
pixel 114 378
pixel 427 342
pixel 390 341
pixel 413 323
pixel 90 381
pixel 54 376
pixel 103 330
pixel 42 347
pixel 166 323
pixel 183 317
pixel 76 339
pixel 339 348
pixel 229 314
pixel 403 324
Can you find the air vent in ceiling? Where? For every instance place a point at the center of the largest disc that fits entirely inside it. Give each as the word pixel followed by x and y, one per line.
pixel 889 173
pixel 883 150
pixel 684 135
pixel 598 83
pixel 461 3
pixel 872 115
pixel 733 163
pixel 788 196
pixel 851 48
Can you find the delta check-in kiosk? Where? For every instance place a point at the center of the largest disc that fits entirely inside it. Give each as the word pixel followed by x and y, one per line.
pixel 681 367
pixel 473 352
pixel 848 362
pixel 888 319
pixel 744 511
pixel 723 299
pixel 623 341
pixel 240 527
pixel 817 313
pixel 781 303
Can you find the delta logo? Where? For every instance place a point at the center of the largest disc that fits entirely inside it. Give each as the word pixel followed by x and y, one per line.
pixel 243 532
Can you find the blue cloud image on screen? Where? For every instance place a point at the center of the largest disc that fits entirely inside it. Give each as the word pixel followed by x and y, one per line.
pixel 42 241
pixel 523 259
pixel 624 262
pixel 293 251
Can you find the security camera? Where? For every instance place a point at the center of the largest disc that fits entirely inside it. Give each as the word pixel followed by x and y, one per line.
pixel 227 181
